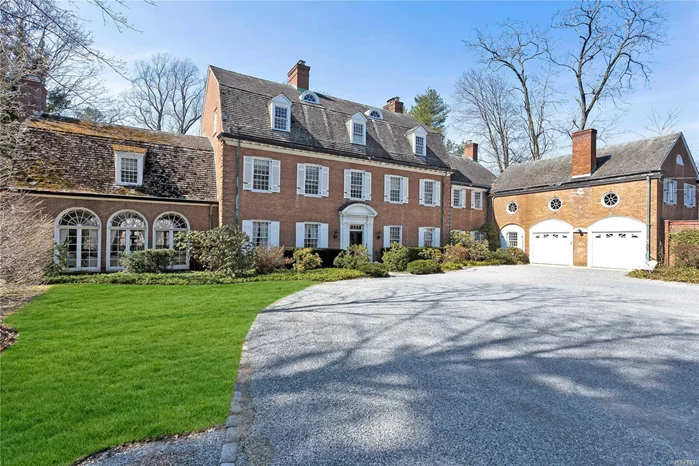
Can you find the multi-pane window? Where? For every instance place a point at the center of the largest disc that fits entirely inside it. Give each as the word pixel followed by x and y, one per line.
pixel 312 183
pixel 129 170
pixel 458 197
pixel 260 174
pixel 512 239
pixel 429 193
pixel 394 234
pixel 166 228
pixel 419 145
pixel 477 197
pixel 260 233
pixel 690 195
pixel 310 235
pixel 357 133
pixel 281 116
pixel 357 185
pixel 395 189
pixel 78 234
pixel 428 237
pixel 127 233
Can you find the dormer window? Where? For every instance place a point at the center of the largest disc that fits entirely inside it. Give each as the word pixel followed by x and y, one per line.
pixel 374 113
pixel 309 97
pixel 129 168
pixel 356 127
pixel 280 113
pixel 418 139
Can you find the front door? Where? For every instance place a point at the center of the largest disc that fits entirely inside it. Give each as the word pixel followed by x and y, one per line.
pixel 356 234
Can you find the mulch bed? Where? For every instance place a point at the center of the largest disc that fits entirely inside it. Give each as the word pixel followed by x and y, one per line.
pixel 7 337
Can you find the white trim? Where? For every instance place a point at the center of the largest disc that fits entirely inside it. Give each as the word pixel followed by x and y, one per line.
pixel 616 224
pixel 403 188
pixel 118 156
pixel 280 101
pixel 109 237
pixel 473 198
pixel 580 176
pixel 311 93
pixel 618 197
pixel 413 134
pixel 121 199
pixel 436 192
pixel 690 194
pixel 358 214
pixel 689 154
pixel 548 204
pixel 551 226
pixel 249 174
pixel 373 109
pixel 186 220
pixel 507 207
pixel 358 119
pixel 512 228
pixel 463 192
pixel 56 235
pixel 366 184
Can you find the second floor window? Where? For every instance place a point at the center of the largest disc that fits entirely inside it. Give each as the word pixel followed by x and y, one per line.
pixel 280 116
pixel 312 186
pixel 429 193
pixel 129 169
pixel 395 189
pixel 458 198
pixel 419 145
pixel 357 185
pixel 261 174
pixel 669 191
pixel 312 180
pixel 477 200
pixel 357 133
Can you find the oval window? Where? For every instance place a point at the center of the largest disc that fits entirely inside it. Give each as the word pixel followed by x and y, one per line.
pixel 610 199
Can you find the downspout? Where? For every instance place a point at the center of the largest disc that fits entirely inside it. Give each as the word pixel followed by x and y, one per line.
pixel 648 218
pixel 441 229
pixel 237 182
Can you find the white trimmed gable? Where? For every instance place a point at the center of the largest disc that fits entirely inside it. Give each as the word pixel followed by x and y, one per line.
pixel 374 113
pixel 418 140
pixel 309 97
pixel 280 113
pixel 356 128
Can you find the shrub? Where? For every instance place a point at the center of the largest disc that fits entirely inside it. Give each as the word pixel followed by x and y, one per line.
pixel 686 255
pixel 352 258
pixel 455 254
pixel 450 266
pixel 268 259
pixel 224 249
pixel 484 263
pixel 423 267
pixel 306 259
pixel 373 269
pixel 148 261
pixel 432 254
pixel 491 236
pixel 327 255
pixel 397 257
pixel 477 250
pixel 510 256
pixel 689 236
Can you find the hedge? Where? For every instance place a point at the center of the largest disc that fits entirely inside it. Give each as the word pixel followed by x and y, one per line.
pixel 423 267
pixel 327 255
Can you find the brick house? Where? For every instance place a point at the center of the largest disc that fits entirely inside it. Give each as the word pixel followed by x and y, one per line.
pixel 597 207
pixel 290 166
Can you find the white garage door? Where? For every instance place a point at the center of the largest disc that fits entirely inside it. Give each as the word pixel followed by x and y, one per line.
pixel 551 243
pixel 618 243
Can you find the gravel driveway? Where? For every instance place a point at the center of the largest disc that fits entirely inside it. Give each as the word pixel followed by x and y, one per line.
pixel 495 365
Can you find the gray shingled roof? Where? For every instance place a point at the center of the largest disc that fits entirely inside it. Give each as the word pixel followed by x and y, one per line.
pixel 245 108
pixel 469 172
pixel 69 155
pixel 631 158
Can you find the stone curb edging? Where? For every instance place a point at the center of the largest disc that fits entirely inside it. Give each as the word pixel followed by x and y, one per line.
pixel 229 450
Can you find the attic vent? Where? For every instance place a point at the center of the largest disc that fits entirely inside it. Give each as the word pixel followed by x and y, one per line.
pixel 309 97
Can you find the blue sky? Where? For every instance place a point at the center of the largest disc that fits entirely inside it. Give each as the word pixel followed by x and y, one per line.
pixel 369 52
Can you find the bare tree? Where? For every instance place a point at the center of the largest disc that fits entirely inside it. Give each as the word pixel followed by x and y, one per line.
pixel 166 94
pixel 521 48
pixel 487 104
pixel 614 41
pixel 661 125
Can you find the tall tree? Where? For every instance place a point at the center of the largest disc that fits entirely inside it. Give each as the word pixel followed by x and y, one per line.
pixel 454 148
pixel 520 48
pixel 614 41
pixel 430 109
pixel 660 124
pixel 166 94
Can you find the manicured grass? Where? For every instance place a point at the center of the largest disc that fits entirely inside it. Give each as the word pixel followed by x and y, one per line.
pixel 670 274
pixel 101 365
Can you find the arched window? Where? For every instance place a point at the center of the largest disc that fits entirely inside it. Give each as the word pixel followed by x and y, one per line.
pixel 78 234
pixel 127 233
pixel 165 231
pixel 678 160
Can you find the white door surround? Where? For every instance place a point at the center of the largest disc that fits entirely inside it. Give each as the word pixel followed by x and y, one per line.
pixel 357 214
pixel 551 242
pixel 512 234
pixel 617 243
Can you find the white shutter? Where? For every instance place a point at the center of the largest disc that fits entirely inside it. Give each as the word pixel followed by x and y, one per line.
pixel 404 192
pixel 453 195
pixel 274 234
pixel 323 235
pixel 387 236
pixel 348 183
pixel 367 186
pixel 473 199
pixel 276 174
pixel 436 237
pixel 326 182
pixel 686 192
pixel 437 193
pixel 247 228
pixel 386 188
pixel 300 232
pixel 665 191
pixel 421 235
pixel 673 191
pixel 300 178
pixel 421 199
pixel 247 173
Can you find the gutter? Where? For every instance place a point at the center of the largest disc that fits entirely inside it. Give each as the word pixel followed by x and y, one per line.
pixel 577 184
pixel 441 203
pixel 237 184
pixel 111 196
pixel 648 218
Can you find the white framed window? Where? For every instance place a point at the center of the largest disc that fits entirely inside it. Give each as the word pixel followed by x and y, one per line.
pixel 512 207
pixel 165 230
pixel 418 141
pixel 215 122
pixel 679 160
pixel 127 231
pixel 555 204
pixel 262 233
pixel 392 234
pixel 311 235
pixel 477 200
pixel 280 113
pixel 374 113
pixel 428 237
pixel 129 168
pixel 419 145
pixel 357 185
pixel 312 180
pixel 395 189
pixel 356 126
pixel 430 193
pixel 458 198
pixel 610 199
pixel 477 235
pixel 512 239
pixel 309 97
pixel 78 233
pixel 669 191
pixel 690 195
pixel 261 174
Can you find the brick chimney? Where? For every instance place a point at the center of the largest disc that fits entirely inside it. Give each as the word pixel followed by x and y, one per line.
pixel 471 150
pixel 394 104
pixel 299 76
pixel 33 96
pixel 584 152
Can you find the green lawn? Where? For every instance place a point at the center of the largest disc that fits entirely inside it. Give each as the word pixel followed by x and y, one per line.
pixel 101 365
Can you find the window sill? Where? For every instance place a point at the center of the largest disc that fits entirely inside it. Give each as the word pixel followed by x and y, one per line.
pixel 355 199
pixel 128 185
pixel 282 130
pixel 261 190
pixel 395 202
pixel 311 195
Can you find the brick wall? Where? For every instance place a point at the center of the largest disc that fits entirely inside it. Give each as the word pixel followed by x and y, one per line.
pixel 675 227
pixel 200 216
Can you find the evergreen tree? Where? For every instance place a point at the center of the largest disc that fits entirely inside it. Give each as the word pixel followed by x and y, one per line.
pixel 430 109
